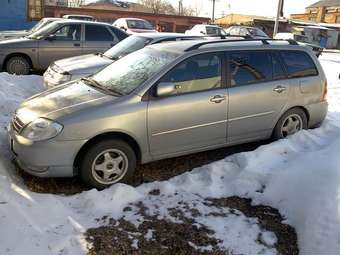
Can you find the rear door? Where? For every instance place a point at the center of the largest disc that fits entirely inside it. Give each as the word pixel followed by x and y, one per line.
pixel 66 43
pixel 258 91
pixel 98 38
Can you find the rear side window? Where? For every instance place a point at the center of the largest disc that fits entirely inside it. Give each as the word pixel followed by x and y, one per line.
pixel 298 64
pixel 250 67
pixel 120 34
pixel 97 33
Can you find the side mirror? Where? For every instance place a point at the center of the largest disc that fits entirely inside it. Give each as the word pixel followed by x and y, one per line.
pixel 166 89
pixel 202 33
pixel 123 28
pixel 51 37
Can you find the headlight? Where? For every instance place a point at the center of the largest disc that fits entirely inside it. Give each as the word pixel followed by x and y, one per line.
pixel 41 129
pixel 61 78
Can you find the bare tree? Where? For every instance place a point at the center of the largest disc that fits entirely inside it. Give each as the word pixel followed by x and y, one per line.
pixel 158 6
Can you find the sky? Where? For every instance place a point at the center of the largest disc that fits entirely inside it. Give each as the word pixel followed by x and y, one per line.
pixel 254 7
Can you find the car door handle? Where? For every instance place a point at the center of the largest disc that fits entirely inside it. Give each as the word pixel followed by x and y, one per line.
pixel 279 89
pixel 217 99
pixel 76 44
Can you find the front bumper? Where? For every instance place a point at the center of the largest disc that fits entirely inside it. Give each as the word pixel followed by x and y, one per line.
pixel 49 158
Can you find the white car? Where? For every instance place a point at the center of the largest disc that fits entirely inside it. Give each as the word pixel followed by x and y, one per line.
pixel 134 25
pixel 207 30
pixel 5 35
pixel 301 39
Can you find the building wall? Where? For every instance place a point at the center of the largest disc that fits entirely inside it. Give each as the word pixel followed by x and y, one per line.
pixel 173 23
pixel 13 15
pixel 320 14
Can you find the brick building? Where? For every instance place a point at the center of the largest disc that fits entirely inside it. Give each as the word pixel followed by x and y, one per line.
pixel 326 11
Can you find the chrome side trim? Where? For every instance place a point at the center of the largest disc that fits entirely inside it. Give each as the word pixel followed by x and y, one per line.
pixel 251 116
pixel 187 128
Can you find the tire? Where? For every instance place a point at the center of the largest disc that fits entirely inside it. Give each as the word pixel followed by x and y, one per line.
pixel 18 65
pixel 284 129
pixel 108 162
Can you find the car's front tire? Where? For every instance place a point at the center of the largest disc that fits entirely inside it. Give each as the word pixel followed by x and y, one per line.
pixel 290 123
pixel 108 162
pixel 18 65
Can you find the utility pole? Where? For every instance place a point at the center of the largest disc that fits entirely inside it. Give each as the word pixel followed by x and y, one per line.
pixel 213 11
pixel 277 20
pixel 180 7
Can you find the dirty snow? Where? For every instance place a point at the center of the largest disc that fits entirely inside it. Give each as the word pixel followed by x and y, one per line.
pixel 300 176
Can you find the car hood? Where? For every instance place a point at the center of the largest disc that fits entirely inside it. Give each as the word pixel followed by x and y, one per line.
pixel 12 34
pixel 18 42
pixel 61 101
pixel 87 64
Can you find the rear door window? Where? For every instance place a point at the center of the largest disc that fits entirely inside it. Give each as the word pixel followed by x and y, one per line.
pixel 250 67
pixel 97 33
pixel 298 64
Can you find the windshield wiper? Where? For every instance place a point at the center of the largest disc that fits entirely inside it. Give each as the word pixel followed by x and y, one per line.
pixel 93 83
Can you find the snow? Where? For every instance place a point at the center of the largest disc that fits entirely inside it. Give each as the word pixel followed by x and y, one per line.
pixel 300 176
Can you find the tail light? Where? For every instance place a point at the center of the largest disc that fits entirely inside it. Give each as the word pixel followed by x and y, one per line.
pixel 324 93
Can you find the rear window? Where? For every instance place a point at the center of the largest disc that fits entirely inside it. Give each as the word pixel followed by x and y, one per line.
pixel 120 34
pixel 298 64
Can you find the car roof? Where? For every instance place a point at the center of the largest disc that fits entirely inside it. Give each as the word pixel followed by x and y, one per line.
pixel 165 35
pixel 183 46
pixel 77 21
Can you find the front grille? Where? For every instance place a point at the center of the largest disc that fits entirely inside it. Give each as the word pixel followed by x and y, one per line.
pixel 17 124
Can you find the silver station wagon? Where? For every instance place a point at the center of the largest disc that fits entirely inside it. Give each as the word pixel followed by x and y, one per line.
pixel 167 100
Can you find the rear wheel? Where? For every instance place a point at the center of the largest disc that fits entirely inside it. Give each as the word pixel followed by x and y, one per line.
pixel 108 162
pixel 18 65
pixel 291 122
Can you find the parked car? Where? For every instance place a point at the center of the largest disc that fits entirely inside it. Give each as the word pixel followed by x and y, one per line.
pixel 167 100
pixel 5 35
pixel 68 69
pixel 60 39
pixel 251 32
pixel 133 25
pixel 301 39
pixel 206 30
pixel 79 17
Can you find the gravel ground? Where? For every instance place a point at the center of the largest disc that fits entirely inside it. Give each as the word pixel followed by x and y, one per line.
pixel 155 171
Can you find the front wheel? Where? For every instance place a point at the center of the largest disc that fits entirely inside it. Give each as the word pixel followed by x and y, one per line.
pixel 18 65
pixel 108 162
pixel 291 122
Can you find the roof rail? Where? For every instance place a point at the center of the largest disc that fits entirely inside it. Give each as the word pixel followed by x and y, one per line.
pixel 264 41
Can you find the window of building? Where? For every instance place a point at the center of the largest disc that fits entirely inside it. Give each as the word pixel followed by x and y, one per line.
pixel 35 9
pixel 337 20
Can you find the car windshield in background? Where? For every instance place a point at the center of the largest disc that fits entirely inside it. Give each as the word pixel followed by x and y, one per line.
pixel 301 38
pixel 257 32
pixel 46 30
pixel 127 46
pixel 215 31
pixel 126 74
pixel 139 24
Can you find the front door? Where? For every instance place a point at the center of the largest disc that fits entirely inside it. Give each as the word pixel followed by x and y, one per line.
pixel 65 43
pixel 258 91
pixel 98 39
pixel 195 117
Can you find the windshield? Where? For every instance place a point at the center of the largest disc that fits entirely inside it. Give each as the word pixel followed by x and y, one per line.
pixel 127 46
pixel 126 74
pixel 257 32
pixel 215 31
pixel 46 30
pixel 139 24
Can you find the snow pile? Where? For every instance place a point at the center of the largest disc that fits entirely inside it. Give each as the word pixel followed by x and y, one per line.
pixel 300 176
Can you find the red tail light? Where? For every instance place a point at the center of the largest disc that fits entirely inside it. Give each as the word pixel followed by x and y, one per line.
pixel 324 93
